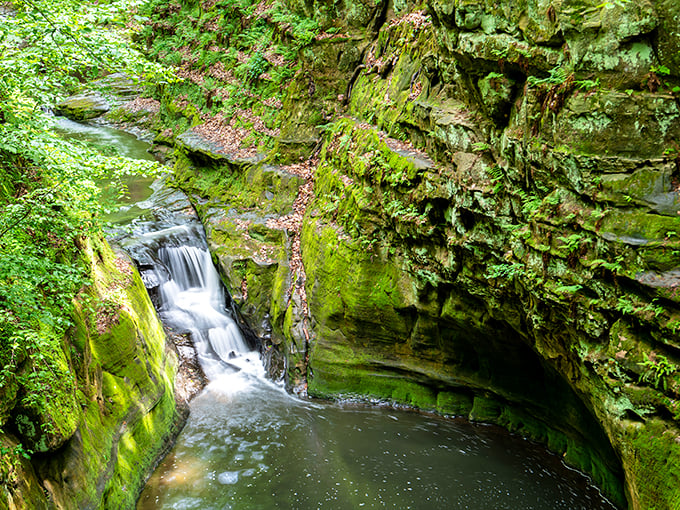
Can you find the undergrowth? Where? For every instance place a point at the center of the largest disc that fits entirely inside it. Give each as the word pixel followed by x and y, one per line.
pixel 232 55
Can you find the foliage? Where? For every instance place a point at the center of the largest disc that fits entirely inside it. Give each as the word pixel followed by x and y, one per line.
pixel 568 289
pixel 496 175
pixel 480 147
pixel 530 202
pixel 49 198
pixel 572 242
pixel 657 370
pixel 49 48
pixel 234 55
pixel 556 76
pixel 252 69
pixel 587 84
pixel 10 459
pixel 615 266
pixel 505 271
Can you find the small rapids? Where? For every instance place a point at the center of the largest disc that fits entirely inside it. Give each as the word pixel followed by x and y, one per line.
pixel 193 301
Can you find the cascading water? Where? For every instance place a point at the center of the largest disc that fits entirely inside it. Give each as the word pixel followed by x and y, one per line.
pixel 193 300
pixel 249 445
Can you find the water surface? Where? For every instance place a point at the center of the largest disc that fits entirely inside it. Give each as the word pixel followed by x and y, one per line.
pixel 249 445
pixel 115 142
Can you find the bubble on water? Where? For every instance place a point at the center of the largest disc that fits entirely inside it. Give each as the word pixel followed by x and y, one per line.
pixel 228 477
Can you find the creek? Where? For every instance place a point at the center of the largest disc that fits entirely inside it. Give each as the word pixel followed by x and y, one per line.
pixel 248 444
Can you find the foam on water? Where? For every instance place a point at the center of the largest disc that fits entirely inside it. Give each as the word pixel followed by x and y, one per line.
pixel 193 300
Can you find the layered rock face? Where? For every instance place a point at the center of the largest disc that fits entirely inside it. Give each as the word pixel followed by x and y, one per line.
pixel 113 411
pixel 489 225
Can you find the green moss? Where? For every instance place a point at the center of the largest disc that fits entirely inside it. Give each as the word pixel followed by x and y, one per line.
pixel 346 279
pixel 339 371
pixel 139 446
pixel 124 399
pixel 485 409
pixel 82 107
pixel 279 301
pixel 453 403
pixel 48 414
pixel 638 227
pixel 653 463
pixel 114 348
pixel 242 185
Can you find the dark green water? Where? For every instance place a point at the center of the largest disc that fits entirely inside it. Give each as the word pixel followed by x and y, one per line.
pixel 110 141
pixel 248 445
pixel 114 142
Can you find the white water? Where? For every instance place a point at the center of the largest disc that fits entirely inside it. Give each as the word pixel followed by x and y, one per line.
pixel 193 301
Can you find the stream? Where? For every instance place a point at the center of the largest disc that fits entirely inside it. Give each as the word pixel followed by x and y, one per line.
pixel 250 445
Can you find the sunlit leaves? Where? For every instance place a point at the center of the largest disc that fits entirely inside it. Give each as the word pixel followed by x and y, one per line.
pixel 49 199
pixel 52 46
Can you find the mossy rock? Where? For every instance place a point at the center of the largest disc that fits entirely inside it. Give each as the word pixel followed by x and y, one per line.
pixel 119 85
pixel 47 412
pixel 20 488
pixel 82 107
pixel 651 186
pixel 652 459
pixel 485 409
pixel 568 187
pixel 639 228
pixel 8 394
pixel 121 409
pixel 602 123
pixel 667 36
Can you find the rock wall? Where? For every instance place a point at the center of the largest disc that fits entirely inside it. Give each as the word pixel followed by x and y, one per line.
pixel 488 224
pixel 114 412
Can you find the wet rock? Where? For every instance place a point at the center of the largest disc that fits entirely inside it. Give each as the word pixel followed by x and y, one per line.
pixel 190 378
pixel 83 107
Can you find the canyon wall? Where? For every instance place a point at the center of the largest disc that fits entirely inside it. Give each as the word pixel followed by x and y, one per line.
pixel 468 207
pixel 99 428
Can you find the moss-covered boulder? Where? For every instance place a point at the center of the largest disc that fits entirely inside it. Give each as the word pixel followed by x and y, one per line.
pixel 83 107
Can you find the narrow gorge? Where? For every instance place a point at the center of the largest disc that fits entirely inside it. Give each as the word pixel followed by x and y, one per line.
pixel 469 208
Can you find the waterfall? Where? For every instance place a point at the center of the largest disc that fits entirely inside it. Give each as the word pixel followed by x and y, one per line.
pixel 192 300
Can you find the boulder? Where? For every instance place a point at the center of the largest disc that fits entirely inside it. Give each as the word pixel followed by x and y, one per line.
pixel 82 107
